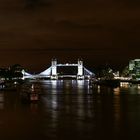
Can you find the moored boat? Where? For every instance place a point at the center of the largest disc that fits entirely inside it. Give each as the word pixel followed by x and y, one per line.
pixel 29 93
pixel 106 82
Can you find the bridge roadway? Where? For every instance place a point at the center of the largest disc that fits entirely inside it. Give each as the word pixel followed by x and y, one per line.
pixel 59 77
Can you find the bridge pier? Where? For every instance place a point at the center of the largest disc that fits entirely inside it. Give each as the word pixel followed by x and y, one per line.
pixel 80 75
pixel 54 75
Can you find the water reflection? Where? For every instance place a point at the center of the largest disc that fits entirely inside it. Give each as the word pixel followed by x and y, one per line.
pixel 124 84
pixel 54 87
pixel 1 101
pixel 70 110
pixel 34 107
pixel 99 88
pixel 116 91
pixel 117 112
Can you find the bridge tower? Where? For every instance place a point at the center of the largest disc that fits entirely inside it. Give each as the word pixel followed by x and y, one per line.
pixel 54 69
pixel 80 70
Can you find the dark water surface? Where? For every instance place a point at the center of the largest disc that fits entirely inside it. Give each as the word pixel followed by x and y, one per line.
pixel 70 110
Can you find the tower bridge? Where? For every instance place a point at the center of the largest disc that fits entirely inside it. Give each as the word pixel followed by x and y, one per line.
pixel 52 71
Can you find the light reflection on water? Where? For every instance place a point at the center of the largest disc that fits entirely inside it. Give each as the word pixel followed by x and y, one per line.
pixel 1 101
pixel 69 109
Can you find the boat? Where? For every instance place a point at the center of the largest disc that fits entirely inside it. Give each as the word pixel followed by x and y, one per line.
pixel 29 93
pixel 2 84
pixel 106 82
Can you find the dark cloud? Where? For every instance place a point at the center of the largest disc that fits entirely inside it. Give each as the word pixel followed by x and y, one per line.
pixel 96 30
pixel 130 3
pixel 36 3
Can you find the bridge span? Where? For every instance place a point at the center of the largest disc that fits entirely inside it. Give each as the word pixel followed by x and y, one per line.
pixel 53 73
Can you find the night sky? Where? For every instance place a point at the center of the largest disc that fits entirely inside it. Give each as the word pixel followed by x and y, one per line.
pixel 32 32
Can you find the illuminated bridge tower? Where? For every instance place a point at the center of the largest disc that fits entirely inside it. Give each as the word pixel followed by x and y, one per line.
pixel 54 69
pixel 80 70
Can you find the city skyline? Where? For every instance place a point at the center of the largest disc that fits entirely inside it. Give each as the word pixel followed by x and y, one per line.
pixel 35 31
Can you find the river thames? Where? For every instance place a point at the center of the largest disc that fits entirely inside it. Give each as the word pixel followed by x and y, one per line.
pixel 69 109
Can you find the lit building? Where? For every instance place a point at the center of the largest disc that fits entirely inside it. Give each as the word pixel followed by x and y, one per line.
pixel 134 69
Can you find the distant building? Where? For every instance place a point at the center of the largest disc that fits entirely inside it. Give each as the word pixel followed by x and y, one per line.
pixel 134 69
